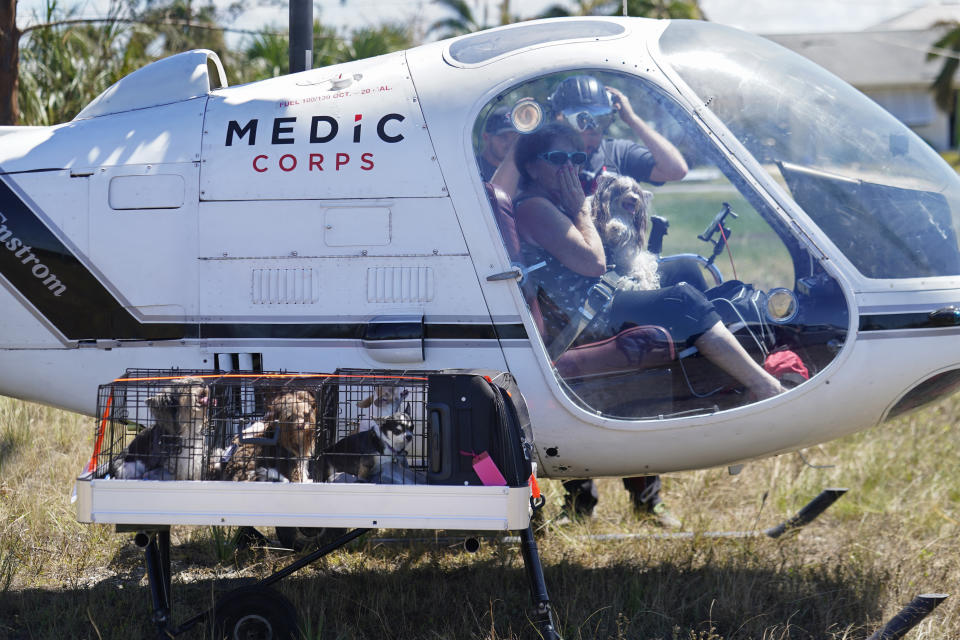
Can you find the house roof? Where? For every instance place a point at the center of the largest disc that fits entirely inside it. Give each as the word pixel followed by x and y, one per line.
pixel 921 18
pixel 874 58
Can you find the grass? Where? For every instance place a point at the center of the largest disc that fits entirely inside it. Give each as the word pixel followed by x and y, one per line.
pixel 893 536
pixel 952 158
pixel 759 256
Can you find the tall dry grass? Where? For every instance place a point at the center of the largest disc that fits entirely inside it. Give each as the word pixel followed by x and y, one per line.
pixel 893 536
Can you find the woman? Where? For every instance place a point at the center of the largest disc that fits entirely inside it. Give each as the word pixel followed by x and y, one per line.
pixel 555 227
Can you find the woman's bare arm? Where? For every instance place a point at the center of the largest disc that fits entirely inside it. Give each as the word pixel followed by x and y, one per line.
pixel 572 239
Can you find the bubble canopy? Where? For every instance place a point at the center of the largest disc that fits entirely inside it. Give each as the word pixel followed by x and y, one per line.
pixel 887 201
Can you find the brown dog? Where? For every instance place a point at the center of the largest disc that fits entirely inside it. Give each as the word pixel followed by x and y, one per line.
pixel 386 400
pixel 173 447
pixel 295 415
pixel 277 448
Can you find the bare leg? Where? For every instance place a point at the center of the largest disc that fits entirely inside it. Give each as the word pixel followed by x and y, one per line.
pixel 721 348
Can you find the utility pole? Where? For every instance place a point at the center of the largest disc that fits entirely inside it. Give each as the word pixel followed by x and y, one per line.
pixel 301 35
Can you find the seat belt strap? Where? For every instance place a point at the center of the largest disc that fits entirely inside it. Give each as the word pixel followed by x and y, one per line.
pixel 598 298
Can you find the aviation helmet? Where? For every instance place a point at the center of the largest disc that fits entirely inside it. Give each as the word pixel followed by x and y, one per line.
pixel 583 102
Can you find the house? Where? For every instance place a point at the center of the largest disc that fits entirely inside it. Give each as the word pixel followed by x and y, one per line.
pixel 888 62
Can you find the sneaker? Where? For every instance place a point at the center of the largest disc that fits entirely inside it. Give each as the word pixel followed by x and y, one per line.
pixel 662 517
pixel 567 517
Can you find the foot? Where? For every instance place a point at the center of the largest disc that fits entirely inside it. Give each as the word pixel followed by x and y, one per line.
pixel 662 517
pixel 567 517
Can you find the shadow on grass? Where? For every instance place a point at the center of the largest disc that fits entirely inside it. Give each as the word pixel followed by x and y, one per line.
pixel 490 598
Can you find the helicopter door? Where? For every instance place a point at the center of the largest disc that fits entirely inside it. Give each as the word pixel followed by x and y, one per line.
pixel 683 233
pixel 153 209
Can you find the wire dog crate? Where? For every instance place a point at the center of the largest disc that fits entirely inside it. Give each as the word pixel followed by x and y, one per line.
pixel 349 449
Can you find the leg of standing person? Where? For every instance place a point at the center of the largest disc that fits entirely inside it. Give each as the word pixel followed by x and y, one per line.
pixel 579 499
pixel 645 496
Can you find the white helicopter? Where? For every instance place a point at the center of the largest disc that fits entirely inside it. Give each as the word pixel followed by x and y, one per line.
pixel 337 218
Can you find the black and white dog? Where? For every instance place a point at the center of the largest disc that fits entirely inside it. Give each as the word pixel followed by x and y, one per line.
pixel 377 454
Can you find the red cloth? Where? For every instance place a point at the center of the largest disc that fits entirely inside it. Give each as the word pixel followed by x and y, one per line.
pixel 786 366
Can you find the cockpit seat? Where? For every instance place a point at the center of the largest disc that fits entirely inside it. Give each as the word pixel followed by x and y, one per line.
pixel 632 349
pixel 635 348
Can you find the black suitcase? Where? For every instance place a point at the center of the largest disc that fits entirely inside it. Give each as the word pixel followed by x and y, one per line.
pixel 470 414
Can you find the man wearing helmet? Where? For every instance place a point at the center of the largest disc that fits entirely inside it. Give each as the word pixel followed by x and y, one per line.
pixel 590 108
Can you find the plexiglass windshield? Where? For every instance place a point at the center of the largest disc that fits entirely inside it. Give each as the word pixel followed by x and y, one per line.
pixel 707 301
pixel 878 191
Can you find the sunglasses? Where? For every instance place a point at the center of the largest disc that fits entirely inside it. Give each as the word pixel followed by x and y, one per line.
pixel 560 157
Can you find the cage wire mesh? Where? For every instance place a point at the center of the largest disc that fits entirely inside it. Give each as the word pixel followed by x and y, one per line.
pixel 267 426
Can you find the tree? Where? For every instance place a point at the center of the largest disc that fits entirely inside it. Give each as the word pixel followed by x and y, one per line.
pixel 266 55
pixel 579 8
pixel 463 21
pixel 9 62
pixel 676 9
pixel 178 26
pixel 947 47
pixel 689 9
pixel 367 42
pixel 59 64
pixel 64 64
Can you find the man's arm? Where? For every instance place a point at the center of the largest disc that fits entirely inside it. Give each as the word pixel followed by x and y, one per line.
pixel 669 163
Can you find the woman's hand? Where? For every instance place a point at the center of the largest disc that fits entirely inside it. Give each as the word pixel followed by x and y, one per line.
pixel 570 197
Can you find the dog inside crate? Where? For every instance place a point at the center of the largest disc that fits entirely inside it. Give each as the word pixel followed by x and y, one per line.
pixel 378 432
pixel 263 427
pixel 270 431
pixel 158 429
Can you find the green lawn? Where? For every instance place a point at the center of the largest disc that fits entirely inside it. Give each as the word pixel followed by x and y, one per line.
pixel 759 256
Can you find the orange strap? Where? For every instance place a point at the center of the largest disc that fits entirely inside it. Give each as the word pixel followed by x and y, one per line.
pixel 270 376
pixel 534 487
pixel 103 428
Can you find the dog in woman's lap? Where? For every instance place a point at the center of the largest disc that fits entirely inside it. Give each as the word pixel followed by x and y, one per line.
pixel 620 212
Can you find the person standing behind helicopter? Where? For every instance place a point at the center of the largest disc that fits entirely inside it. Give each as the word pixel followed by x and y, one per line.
pixel 584 103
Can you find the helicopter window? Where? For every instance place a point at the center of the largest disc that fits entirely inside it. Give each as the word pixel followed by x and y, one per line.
pixel 487 45
pixel 715 250
pixel 879 192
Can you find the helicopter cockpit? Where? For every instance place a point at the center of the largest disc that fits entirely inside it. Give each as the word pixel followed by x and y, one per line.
pixel 792 181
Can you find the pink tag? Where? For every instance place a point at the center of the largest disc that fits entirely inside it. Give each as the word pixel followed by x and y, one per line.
pixel 487 469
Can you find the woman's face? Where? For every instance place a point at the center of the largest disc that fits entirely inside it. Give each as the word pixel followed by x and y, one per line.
pixel 546 174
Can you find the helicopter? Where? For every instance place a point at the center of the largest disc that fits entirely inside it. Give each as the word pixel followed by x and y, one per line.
pixel 337 218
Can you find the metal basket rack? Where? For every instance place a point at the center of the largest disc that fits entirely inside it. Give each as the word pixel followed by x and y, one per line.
pixel 306 452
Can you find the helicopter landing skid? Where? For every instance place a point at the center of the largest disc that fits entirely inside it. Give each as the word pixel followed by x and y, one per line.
pixel 258 609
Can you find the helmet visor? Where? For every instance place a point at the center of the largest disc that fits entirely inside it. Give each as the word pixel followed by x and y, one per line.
pixel 589 117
